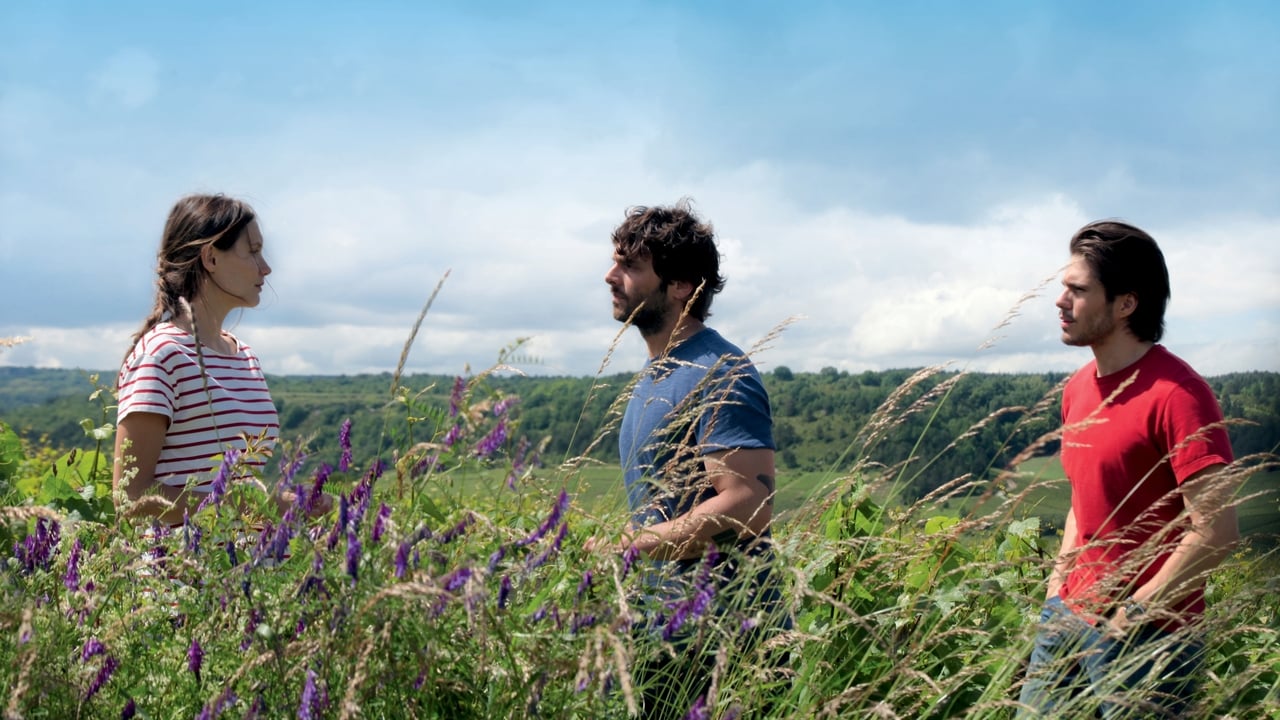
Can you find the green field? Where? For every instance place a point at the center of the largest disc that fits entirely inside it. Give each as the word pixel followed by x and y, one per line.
pixel 1040 490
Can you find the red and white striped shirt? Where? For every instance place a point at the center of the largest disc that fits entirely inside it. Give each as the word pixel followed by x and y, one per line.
pixel 162 376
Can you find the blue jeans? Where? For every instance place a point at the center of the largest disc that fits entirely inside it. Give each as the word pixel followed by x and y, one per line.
pixel 1077 670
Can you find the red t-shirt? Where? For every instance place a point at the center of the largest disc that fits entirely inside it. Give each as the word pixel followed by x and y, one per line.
pixel 1125 456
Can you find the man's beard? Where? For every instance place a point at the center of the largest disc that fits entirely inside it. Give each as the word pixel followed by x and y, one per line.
pixel 650 314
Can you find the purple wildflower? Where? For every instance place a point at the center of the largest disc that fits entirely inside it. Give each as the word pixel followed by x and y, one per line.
pixel 501 407
pixel 291 465
pixel 129 710
pixel 699 710
pixel 581 622
pixel 309 707
pixel 250 627
pixel 92 647
pixel 340 526
pixel 496 557
pixel 491 442
pixel 218 489
pixel 231 553
pixel 585 584
pixel 317 485
pixel 109 666
pixel 629 557
pixel 456 579
pixel 36 550
pixel 696 606
pixel 562 504
pixel 279 549
pixel 425 465
pixel 195 657
pixel 193 538
pixel 353 557
pixel 452 533
pixel 504 592
pixel 541 559
pixel 380 522
pixel 344 442
pixel 402 559
pixel 72 578
pixel 421 680
pixel 455 397
pixel 539 614
pixel 452 436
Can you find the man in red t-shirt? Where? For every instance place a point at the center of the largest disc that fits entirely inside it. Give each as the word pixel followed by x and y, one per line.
pixel 1142 446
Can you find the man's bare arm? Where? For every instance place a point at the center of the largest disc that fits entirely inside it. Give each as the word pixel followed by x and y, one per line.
pixel 742 507
pixel 1208 497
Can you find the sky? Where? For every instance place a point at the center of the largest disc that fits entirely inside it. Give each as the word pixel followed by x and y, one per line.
pixel 892 184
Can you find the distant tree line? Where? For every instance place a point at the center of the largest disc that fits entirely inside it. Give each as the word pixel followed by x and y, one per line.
pixel 936 427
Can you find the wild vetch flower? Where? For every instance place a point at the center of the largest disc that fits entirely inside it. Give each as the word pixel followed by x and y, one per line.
pixel 537 562
pixel 36 550
pixel 629 557
pixel 92 647
pixel 344 442
pixel 402 559
pixel 380 522
pixel 129 710
pixel 452 436
pixel 452 533
pixel 231 553
pixel 562 504
pixel 538 614
pixel 696 606
pixel 195 657
pixel 279 549
pixel 491 442
pixel 309 707
pixel 289 466
pixel 504 592
pixel 250 627
pixel 699 710
pixel 340 526
pixel 496 557
pixel 218 489
pixel 109 666
pixel 193 538
pixel 455 397
pixel 72 578
pixel 317 485
pixel 457 579
pixel 353 556
pixel 582 621
pixel 584 584
pixel 501 407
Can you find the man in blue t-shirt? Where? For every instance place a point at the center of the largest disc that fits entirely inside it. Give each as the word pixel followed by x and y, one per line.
pixel 696 441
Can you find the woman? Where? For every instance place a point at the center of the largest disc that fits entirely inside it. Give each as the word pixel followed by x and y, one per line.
pixel 188 390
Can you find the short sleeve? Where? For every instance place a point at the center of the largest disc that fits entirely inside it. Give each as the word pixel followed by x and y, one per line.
pixel 736 411
pixel 146 385
pixel 1191 430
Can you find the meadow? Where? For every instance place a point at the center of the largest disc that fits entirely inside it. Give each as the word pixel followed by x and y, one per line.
pixel 451 581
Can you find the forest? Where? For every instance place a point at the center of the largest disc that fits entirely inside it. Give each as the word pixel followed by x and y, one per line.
pixel 820 419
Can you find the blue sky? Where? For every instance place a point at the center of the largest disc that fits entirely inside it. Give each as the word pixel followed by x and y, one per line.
pixel 896 177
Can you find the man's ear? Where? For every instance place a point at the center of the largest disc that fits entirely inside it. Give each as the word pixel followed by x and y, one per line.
pixel 1127 304
pixel 680 290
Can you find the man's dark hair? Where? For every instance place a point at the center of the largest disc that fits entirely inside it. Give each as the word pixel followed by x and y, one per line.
pixel 1127 260
pixel 681 246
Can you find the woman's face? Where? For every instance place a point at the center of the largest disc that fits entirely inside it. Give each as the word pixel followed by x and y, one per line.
pixel 240 271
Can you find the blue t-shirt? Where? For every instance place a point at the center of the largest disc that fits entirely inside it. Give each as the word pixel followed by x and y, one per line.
pixel 702 397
